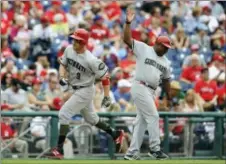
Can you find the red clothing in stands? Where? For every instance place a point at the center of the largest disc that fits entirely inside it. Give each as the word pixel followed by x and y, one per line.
pixel 206 89
pixel 6 131
pixel 191 74
pixel 99 32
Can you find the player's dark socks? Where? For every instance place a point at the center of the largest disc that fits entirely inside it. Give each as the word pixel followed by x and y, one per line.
pixel 63 132
pixel 106 127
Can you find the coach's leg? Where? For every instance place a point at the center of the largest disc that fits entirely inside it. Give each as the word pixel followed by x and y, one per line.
pixel 138 133
pixel 151 117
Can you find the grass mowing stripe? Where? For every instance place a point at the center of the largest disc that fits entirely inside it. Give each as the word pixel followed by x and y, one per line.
pixel 112 162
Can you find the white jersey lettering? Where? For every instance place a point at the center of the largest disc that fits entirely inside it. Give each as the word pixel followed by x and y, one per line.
pixel 150 67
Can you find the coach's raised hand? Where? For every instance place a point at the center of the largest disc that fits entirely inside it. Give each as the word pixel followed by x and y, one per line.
pixel 127 38
pixel 130 14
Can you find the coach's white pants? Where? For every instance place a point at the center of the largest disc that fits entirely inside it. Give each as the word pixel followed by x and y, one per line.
pixel 81 102
pixel 147 118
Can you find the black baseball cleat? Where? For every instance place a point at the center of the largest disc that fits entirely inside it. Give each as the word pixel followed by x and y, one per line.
pixel 158 155
pixel 131 157
pixel 119 140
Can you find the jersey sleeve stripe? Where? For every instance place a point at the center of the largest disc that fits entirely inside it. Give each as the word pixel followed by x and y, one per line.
pixel 104 74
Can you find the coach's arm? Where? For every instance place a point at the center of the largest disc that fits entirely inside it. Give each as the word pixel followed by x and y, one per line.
pixel 127 37
pixel 166 87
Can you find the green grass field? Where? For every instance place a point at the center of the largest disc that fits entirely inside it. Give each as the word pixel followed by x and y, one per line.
pixel 17 161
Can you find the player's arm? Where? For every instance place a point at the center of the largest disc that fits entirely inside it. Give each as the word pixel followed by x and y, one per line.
pixel 101 72
pixel 62 69
pixel 127 37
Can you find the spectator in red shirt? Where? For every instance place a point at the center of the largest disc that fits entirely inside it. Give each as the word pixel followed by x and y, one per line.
pixel 207 90
pixel 9 133
pixel 191 73
pixel 98 30
pixel 113 11
pixel 55 9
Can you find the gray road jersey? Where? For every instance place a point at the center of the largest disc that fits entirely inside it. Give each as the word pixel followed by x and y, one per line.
pixel 150 68
pixel 82 69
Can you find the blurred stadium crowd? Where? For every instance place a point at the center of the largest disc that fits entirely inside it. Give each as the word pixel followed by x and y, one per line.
pixel 34 35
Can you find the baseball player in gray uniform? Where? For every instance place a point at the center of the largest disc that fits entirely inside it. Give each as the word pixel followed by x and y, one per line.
pixel 152 67
pixel 82 69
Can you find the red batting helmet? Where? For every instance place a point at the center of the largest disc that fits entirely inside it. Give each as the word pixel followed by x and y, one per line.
pixel 82 35
pixel 164 40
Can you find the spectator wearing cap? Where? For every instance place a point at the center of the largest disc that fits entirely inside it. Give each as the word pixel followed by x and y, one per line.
pixel 28 76
pixel 191 73
pixel 16 97
pixel 216 69
pixel 207 90
pixel 180 39
pixel 177 95
pixel 191 102
pixel 37 97
pixel 123 95
pixel 42 30
pixel 98 30
pixel 201 38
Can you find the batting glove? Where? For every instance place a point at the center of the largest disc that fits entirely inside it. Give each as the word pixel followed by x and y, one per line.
pixel 106 102
pixel 63 81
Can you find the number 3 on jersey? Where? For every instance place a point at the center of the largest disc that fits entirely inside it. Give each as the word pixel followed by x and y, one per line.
pixel 78 75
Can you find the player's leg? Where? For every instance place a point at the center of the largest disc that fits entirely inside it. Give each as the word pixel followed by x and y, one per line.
pixel 71 107
pixel 138 133
pixel 92 118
